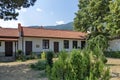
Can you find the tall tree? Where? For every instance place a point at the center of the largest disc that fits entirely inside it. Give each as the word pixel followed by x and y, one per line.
pixel 98 16
pixel 90 16
pixel 8 8
pixel 113 18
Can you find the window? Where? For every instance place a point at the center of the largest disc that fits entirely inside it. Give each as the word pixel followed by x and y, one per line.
pixel 82 44
pixel 45 44
pixel 66 44
pixel 0 43
pixel 75 44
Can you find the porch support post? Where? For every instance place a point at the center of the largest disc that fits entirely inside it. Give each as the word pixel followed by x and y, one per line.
pixel 15 49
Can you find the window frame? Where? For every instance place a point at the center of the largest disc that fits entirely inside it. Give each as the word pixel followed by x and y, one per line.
pixel 75 44
pixel 83 43
pixel 45 44
pixel 66 44
pixel 0 44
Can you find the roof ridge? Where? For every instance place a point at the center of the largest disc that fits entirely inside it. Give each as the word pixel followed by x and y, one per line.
pixel 8 28
pixel 52 29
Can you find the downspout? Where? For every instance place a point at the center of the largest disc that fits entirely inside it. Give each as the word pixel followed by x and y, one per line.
pixel 15 50
pixel 23 45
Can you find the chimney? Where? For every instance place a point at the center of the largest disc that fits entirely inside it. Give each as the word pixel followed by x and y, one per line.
pixel 19 24
pixel 41 27
pixel 20 29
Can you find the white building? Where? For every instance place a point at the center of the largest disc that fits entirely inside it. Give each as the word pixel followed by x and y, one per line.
pixel 37 40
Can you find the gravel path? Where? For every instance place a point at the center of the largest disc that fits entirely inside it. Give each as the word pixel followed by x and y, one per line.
pixel 19 71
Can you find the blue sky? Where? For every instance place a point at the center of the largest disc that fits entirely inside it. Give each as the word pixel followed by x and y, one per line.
pixel 45 12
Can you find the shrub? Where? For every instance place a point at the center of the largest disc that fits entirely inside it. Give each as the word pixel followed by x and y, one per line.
pixel 20 56
pixel 58 71
pixel 33 56
pixel 79 65
pixel 49 57
pixel 112 54
pixel 40 65
pixel 48 72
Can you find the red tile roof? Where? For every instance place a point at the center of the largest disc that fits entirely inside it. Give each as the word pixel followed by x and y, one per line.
pixel 8 32
pixel 40 32
pixel 50 33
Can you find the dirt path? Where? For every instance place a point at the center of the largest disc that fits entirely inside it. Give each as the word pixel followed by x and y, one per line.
pixel 22 70
pixel 19 71
pixel 114 65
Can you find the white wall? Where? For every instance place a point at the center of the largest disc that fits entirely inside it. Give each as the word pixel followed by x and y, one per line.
pixel 114 45
pixel 2 47
pixel 38 41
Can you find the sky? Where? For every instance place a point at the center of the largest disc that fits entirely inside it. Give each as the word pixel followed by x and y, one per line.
pixel 45 13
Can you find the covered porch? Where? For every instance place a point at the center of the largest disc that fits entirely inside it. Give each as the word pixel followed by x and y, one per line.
pixel 8 49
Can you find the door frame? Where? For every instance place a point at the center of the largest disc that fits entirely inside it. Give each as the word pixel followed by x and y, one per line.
pixel 28 50
pixel 56 46
pixel 8 48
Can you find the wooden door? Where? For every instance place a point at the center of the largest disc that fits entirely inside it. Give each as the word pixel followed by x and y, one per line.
pixel 28 47
pixel 8 48
pixel 56 47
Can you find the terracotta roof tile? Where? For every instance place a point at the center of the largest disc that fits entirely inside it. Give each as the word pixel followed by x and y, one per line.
pixel 50 33
pixel 8 32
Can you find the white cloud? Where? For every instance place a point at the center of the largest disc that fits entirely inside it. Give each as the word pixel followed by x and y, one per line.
pixel 39 10
pixel 60 22
pixel 10 23
pixel 22 10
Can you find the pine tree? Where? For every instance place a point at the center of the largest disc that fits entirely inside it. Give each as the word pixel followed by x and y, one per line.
pixel 8 8
pixel 79 65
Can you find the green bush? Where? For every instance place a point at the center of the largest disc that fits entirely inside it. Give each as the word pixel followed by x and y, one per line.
pixel 40 65
pixel 112 54
pixel 33 56
pixel 79 65
pixel 20 56
pixel 49 57
pixel 58 71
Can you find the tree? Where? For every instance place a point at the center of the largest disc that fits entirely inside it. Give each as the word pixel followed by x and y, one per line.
pixel 98 17
pixel 90 15
pixel 8 8
pixel 113 18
